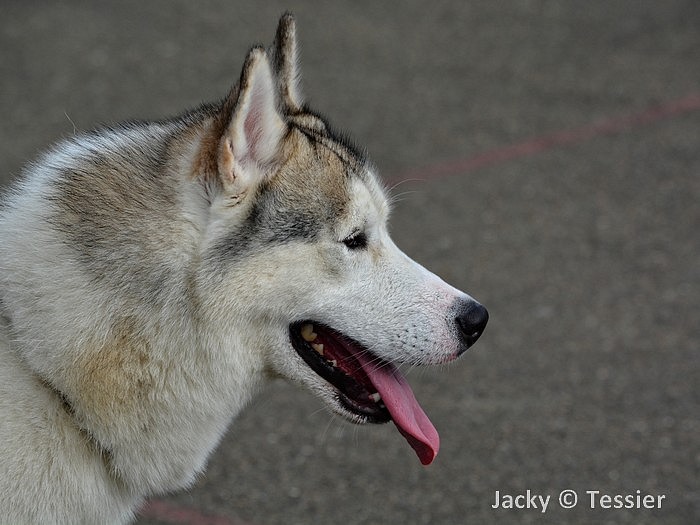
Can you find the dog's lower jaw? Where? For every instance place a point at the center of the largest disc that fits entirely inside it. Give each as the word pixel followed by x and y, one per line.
pixel 366 388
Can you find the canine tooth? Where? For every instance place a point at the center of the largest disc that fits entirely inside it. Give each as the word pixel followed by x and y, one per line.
pixel 307 332
pixel 334 363
pixel 318 347
pixel 375 397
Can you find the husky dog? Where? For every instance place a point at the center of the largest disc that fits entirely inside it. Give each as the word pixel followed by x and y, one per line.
pixel 154 275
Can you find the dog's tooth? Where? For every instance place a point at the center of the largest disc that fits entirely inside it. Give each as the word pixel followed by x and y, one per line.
pixel 334 363
pixel 318 347
pixel 307 332
pixel 375 397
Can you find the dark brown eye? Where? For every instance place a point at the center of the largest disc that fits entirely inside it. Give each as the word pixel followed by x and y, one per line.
pixel 356 241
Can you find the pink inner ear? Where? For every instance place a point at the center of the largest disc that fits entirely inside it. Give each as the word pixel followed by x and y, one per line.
pixel 255 121
pixel 252 128
pixel 258 125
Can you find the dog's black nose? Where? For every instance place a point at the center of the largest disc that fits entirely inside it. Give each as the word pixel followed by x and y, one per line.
pixel 471 321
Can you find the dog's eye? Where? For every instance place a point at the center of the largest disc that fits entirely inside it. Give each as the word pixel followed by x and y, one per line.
pixel 356 241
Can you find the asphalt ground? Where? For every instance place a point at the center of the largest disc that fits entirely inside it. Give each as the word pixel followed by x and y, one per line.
pixel 554 163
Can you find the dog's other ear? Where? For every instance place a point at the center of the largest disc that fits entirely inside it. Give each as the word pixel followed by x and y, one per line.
pixel 284 52
pixel 251 141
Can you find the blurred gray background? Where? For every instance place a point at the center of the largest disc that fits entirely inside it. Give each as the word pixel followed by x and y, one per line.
pixel 553 151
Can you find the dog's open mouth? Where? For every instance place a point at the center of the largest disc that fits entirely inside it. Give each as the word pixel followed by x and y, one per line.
pixel 368 387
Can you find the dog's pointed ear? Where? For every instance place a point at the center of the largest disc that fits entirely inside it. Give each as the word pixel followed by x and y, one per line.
pixel 250 144
pixel 284 53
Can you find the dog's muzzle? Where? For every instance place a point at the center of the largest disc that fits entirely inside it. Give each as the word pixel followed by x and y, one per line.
pixel 471 321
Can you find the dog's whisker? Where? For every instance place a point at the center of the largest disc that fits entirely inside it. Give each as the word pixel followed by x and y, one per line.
pixel 403 181
pixel 399 197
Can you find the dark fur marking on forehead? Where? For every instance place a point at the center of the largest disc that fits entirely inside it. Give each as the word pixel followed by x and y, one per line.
pixel 318 131
pixel 278 217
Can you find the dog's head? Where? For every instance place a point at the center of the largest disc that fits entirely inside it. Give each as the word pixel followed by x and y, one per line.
pixel 298 227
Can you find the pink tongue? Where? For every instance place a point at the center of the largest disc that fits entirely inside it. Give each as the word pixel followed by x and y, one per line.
pixel 407 414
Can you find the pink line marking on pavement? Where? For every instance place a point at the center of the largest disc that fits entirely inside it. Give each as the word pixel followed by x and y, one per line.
pixel 167 512
pixel 551 141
